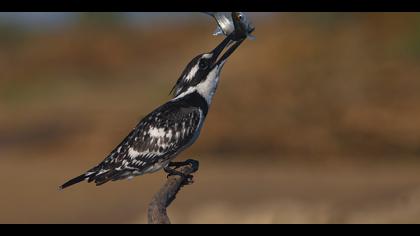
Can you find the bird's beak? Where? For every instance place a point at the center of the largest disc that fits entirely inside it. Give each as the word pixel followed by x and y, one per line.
pixel 219 49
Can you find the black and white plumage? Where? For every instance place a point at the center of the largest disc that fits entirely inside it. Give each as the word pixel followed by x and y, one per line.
pixel 170 128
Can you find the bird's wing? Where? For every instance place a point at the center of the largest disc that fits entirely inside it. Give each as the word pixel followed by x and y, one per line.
pixel 158 136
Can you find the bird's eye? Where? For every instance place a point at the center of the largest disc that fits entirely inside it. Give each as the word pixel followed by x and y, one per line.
pixel 203 64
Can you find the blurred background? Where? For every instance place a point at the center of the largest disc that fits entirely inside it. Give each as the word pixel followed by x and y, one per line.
pixel 316 121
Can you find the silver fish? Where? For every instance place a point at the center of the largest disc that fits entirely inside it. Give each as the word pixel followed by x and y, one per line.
pixel 236 23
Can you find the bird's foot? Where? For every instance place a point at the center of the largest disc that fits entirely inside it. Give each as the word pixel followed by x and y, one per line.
pixel 188 179
pixel 193 163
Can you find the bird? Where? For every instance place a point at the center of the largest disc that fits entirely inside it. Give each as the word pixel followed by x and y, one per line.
pixel 170 128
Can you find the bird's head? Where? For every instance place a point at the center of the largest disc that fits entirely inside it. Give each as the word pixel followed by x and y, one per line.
pixel 202 73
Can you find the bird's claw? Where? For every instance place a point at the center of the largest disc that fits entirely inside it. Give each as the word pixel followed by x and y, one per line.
pixel 193 163
pixel 188 179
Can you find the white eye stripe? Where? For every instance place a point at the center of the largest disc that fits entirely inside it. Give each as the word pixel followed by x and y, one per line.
pixel 208 55
pixel 192 73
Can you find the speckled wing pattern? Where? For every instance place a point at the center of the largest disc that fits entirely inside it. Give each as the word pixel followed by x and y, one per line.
pixel 157 137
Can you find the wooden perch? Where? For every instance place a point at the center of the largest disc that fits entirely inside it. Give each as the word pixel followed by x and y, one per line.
pixel 163 198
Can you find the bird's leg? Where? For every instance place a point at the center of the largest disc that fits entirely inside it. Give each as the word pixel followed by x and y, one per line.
pixel 171 171
pixel 191 162
pixel 177 164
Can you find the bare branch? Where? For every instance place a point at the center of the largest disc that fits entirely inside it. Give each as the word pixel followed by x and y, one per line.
pixel 163 198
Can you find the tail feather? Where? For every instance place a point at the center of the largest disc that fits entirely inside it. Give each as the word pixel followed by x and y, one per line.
pixel 96 175
pixel 76 180
pixel 105 177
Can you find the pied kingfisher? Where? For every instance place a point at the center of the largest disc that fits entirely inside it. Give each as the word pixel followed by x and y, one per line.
pixel 171 128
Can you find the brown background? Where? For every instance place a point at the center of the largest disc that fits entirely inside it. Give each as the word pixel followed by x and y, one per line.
pixel 316 121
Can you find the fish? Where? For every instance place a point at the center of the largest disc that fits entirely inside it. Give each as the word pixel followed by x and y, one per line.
pixel 237 24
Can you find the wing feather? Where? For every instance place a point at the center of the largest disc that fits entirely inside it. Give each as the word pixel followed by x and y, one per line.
pixel 156 138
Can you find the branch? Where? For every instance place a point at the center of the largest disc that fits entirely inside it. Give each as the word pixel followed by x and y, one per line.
pixel 164 197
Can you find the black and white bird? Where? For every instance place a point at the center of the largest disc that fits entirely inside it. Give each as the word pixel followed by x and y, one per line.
pixel 171 128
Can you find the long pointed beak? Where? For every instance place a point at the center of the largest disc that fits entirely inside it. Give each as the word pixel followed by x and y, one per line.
pixel 219 49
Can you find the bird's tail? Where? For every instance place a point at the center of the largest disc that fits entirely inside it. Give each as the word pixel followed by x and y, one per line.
pixel 76 180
